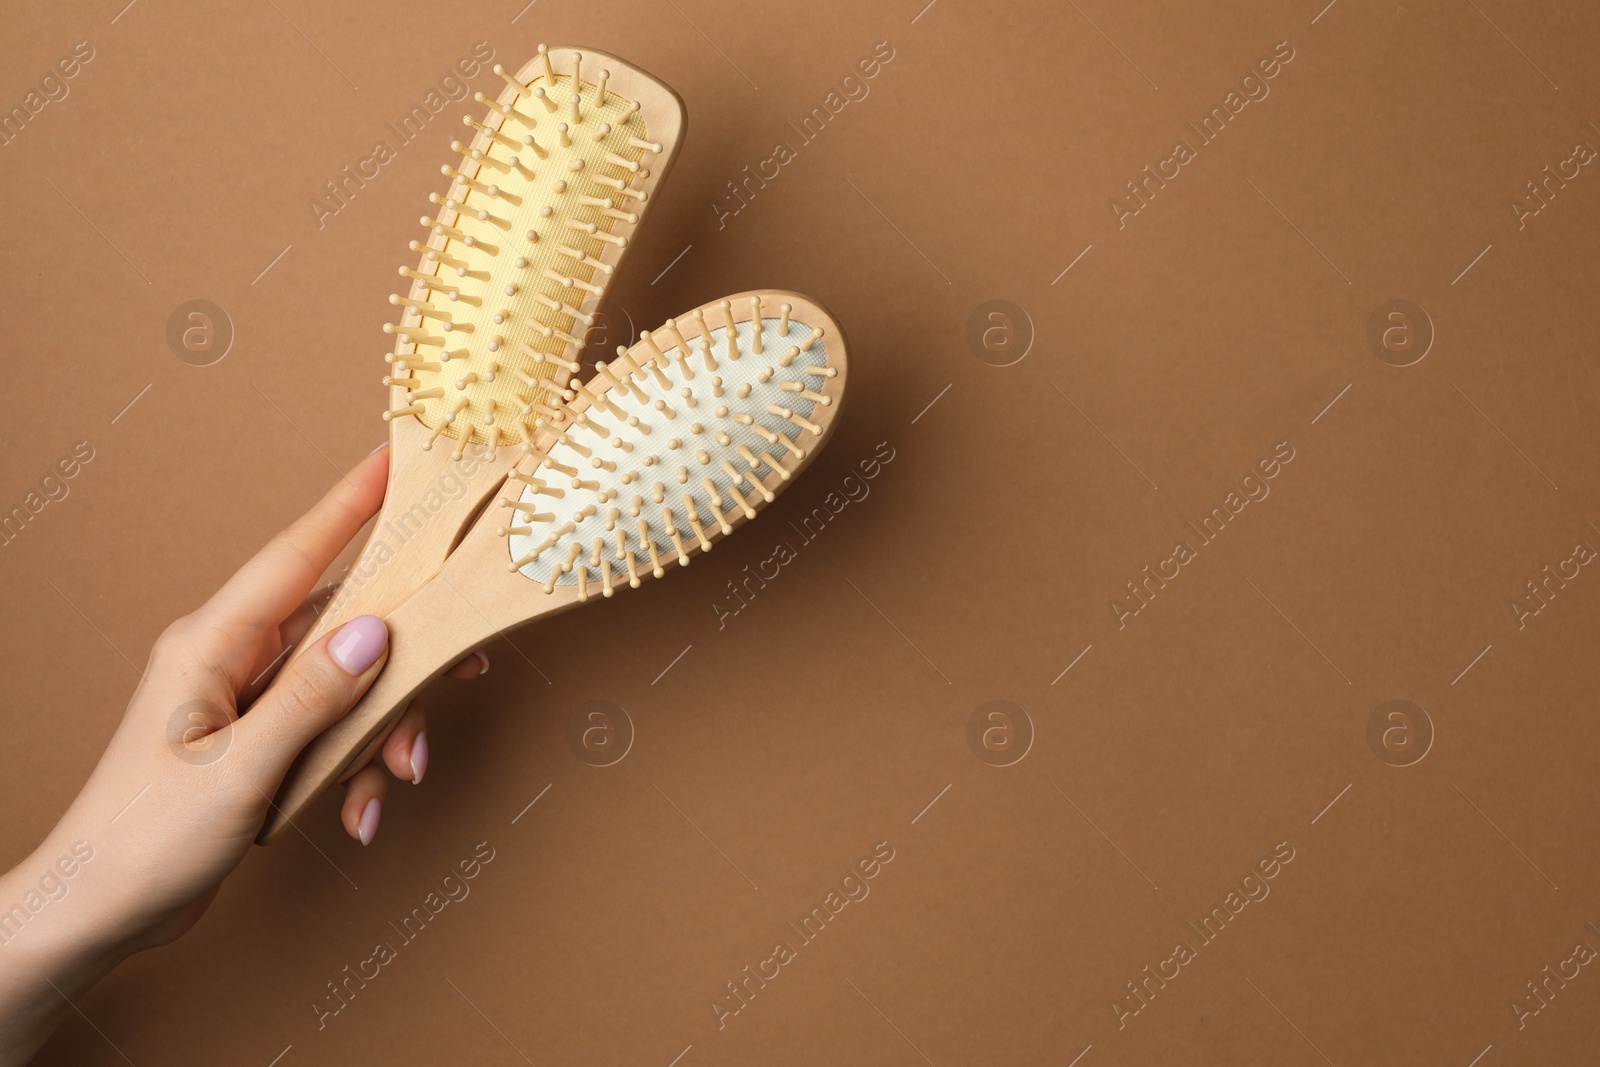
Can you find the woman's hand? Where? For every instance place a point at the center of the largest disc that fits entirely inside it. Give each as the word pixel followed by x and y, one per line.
pixel 186 781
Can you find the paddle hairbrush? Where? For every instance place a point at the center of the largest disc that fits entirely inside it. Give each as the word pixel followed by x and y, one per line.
pixel 672 446
pixel 519 255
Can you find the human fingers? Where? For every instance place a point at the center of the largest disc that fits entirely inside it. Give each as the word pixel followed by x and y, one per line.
pixel 275 647
pixel 363 802
pixel 266 590
pixel 305 615
pixel 470 667
pixel 405 753
pixel 313 691
pixel 405 750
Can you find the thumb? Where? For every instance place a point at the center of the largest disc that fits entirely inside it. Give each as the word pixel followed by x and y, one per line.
pixel 313 691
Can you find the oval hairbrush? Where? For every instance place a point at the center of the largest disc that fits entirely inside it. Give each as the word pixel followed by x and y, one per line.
pixel 676 443
pixel 546 193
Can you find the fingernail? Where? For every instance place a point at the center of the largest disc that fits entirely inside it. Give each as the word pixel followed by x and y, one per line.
pixel 369 821
pixel 359 643
pixel 483 661
pixel 379 448
pixel 419 758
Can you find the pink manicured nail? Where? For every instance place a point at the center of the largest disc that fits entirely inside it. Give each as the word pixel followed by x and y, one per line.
pixel 359 643
pixel 483 662
pixel 368 828
pixel 419 758
pixel 379 448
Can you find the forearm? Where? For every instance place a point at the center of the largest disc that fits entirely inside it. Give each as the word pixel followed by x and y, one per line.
pixel 53 947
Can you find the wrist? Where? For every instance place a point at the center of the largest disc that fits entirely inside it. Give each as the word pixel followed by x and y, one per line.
pixel 55 941
pixel 54 902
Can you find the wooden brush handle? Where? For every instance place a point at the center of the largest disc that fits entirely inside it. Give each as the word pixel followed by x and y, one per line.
pixel 413 533
pixel 439 604
pixel 427 635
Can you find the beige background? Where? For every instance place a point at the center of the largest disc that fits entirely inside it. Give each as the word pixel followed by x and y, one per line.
pixel 1229 715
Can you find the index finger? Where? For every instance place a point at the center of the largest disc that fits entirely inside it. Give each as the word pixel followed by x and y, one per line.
pixel 266 590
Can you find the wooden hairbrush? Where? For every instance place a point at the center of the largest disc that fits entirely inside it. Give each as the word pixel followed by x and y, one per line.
pixel 520 253
pixel 675 444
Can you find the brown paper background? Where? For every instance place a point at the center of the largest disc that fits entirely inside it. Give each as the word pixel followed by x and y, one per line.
pixel 1174 754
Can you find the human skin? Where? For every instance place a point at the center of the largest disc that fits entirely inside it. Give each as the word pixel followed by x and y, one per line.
pixel 186 780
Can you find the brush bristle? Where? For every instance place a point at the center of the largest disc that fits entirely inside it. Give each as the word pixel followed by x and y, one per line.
pixel 518 257
pixel 669 447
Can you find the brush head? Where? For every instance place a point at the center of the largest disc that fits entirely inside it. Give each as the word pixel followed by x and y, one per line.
pixel 675 443
pixel 547 189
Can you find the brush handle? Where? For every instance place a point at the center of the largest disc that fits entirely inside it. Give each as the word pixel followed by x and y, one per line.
pixel 409 544
pixel 413 534
pixel 427 635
